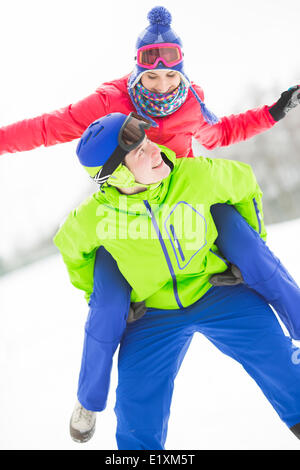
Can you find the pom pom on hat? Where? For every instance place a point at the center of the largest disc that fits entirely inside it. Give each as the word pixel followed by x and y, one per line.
pixel 159 15
pixel 159 29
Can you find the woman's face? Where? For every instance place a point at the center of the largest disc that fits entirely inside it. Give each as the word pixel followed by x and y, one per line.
pixel 161 81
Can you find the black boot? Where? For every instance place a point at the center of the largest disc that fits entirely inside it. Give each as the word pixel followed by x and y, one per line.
pixel 296 430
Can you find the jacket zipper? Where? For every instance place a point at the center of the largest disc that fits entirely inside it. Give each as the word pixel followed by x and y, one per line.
pixel 257 215
pixel 165 251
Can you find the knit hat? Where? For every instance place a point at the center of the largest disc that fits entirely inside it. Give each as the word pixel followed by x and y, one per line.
pixel 160 31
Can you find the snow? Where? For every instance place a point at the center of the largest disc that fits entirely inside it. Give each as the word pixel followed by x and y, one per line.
pixel 216 404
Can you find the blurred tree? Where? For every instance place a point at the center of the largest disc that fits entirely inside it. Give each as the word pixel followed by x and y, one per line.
pixel 275 159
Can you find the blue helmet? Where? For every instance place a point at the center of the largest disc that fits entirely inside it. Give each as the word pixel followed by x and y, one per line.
pixel 99 141
pixel 105 143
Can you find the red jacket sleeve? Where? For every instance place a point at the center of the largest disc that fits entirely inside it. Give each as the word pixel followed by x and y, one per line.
pixel 56 127
pixel 235 128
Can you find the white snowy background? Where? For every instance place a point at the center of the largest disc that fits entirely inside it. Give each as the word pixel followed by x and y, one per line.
pixel 54 53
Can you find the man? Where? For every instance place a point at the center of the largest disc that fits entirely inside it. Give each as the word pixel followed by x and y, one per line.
pixel 152 215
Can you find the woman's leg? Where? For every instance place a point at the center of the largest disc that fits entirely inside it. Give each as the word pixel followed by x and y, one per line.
pixel 262 271
pixel 106 322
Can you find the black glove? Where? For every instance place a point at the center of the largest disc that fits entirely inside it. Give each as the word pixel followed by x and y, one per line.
pixel 289 99
pixel 231 277
pixel 136 311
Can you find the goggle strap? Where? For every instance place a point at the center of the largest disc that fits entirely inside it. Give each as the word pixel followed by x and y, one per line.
pixel 111 164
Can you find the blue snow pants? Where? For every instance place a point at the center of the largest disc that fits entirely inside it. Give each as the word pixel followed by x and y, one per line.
pixel 110 300
pixel 238 322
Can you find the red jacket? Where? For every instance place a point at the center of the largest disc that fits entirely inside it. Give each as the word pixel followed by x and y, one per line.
pixel 174 131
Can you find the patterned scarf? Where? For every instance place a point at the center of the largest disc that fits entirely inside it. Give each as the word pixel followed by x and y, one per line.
pixel 159 104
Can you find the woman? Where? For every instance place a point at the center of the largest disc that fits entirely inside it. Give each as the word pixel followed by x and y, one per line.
pixel 159 89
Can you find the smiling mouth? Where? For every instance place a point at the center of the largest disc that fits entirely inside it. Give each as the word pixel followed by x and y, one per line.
pixel 158 166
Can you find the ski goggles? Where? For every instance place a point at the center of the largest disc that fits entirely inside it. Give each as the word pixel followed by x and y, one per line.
pixel 131 135
pixel 169 54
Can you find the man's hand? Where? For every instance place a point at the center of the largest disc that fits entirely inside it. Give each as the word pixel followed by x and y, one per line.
pixel 136 311
pixel 231 277
pixel 289 99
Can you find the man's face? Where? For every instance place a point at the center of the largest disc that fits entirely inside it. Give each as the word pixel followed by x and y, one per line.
pixel 146 164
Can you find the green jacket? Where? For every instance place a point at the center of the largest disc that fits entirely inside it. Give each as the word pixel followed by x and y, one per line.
pixel 162 238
